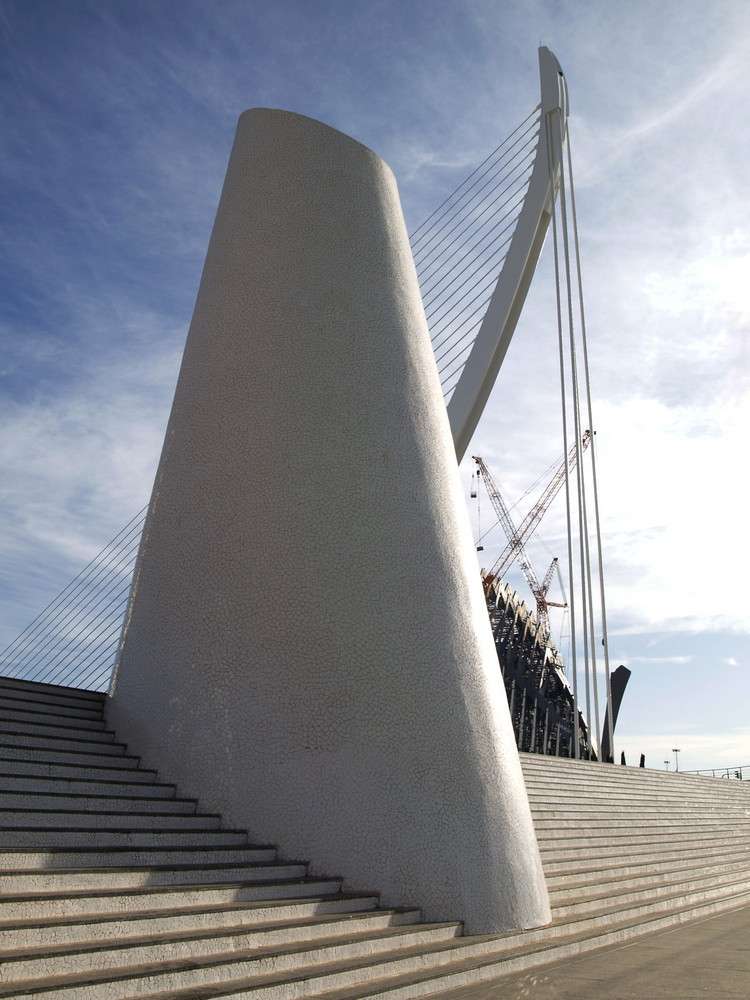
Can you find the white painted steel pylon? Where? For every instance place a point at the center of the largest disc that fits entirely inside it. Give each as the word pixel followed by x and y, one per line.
pixel 480 371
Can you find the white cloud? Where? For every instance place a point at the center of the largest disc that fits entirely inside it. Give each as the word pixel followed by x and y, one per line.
pixel 659 659
pixel 673 500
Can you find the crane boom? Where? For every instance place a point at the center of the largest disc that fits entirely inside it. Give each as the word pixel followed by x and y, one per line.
pixel 506 521
pixel 518 537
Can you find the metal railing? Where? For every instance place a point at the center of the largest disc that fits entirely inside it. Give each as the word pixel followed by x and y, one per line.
pixel 741 772
pixel 73 641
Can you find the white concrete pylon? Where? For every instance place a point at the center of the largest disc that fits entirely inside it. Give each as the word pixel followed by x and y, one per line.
pixel 307 647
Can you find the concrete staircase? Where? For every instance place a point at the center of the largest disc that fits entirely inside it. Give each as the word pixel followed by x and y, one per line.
pixel 115 887
pixel 626 850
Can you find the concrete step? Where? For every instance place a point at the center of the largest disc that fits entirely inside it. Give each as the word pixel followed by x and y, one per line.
pixel 587 774
pixel 574 791
pixel 128 837
pixel 581 771
pixel 64 719
pixel 655 896
pixel 643 908
pixel 638 821
pixel 594 841
pixel 121 768
pixel 54 932
pixel 590 777
pixel 56 748
pixel 654 810
pixel 203 942
pixel 64 707
pixel 584 872
pixel 62 801
pixel 52 735
pixel 602 798
pixel 41 784
pixel 623 799
pixel 629 780
pixel 82 858
pixel 41 907
pixel 10 819
pixel 475 966
pixel 407 943
pixel 17 759
pixel 77 880
pixel 397 974
pixel 677 880
pixel 605 856
pixel 50 693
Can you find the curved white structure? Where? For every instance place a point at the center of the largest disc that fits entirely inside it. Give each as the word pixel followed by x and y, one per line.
pixel 483 363
pixel 307 647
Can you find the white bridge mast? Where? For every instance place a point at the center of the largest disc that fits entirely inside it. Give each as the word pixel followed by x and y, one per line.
pixel 480 371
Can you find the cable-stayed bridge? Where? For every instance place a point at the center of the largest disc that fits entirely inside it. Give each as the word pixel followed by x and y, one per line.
pixel 475 257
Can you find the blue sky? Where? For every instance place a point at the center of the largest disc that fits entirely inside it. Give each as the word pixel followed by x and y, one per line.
pixel 118 118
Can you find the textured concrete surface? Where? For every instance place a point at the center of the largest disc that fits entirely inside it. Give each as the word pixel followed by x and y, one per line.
pixel 308 650
pixel 707 959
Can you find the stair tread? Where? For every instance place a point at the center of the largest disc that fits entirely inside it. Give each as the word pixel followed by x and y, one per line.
pixel 43 687
pixel 435 981
pixel 615 896
pixel 147 800
pixel 249 848
pixel 118 869
pixel 615 876
pixel 658 900
pixel 20 701
pixel 143 890
pixel 188 866
pixel 166 966
pixel 69 744
pixel 451 957
pixel 50 721
pixel 137 915
pixel 74 797
pixel 65 740
pixel 230 930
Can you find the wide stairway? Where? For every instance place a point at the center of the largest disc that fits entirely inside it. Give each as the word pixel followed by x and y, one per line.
pixel 115 887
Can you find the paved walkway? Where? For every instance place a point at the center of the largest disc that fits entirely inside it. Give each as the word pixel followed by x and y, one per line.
pixel 707 959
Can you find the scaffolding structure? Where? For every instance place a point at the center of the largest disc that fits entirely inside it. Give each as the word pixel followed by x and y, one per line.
pixel 541 702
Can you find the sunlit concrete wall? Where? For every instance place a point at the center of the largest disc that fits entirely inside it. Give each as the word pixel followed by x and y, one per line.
pixel 308 649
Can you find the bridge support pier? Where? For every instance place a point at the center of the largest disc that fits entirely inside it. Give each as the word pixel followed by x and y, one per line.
pixel 307 648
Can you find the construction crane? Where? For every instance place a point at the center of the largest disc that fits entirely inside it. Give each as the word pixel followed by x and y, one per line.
pixel 517 537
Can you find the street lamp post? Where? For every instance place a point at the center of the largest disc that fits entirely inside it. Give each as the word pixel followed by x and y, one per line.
pixel 675 751
pixel 666 765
